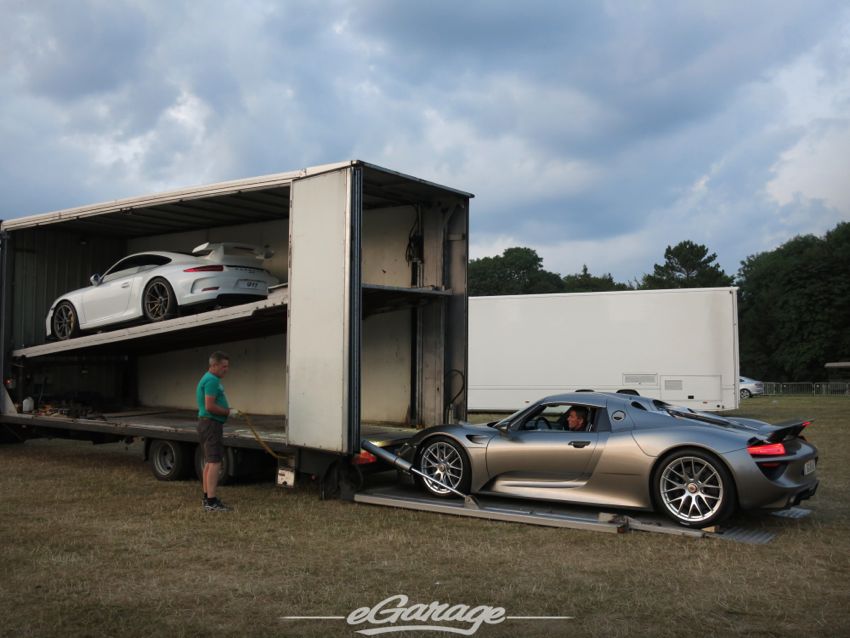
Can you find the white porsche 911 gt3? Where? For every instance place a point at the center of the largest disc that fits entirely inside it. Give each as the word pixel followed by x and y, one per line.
pixel 154 286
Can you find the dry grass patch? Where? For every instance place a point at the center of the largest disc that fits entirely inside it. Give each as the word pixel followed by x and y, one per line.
pixel 93 545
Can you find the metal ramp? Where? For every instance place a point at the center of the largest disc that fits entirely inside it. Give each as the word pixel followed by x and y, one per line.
pixel 410 498
pixel 555 515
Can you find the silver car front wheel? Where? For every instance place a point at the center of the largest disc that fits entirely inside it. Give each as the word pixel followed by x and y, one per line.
pixel 442 459
pixel 694 489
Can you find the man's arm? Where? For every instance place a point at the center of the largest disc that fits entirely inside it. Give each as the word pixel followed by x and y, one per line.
pixel 211 406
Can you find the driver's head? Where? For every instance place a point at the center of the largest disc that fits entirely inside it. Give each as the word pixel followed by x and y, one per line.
pixel 577 418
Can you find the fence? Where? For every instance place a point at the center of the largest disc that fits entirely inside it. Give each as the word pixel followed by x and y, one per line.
pixel 821 388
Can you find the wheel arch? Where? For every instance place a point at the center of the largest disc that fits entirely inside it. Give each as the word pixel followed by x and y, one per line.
pixel 445 434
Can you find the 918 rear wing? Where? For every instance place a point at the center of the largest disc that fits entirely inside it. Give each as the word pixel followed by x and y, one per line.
pixel 786 430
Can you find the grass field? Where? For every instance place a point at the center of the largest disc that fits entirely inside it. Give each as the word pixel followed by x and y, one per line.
pixel 92 545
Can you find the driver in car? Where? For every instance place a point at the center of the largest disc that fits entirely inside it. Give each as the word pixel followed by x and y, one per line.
pixel 577 419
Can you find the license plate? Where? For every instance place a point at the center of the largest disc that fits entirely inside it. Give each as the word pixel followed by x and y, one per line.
pixel 247 283
pixel 809 467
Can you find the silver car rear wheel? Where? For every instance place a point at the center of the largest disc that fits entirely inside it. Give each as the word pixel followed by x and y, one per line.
pixel 442 459
pixel 694 489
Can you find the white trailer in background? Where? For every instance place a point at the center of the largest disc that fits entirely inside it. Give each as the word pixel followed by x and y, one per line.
pixel 680 346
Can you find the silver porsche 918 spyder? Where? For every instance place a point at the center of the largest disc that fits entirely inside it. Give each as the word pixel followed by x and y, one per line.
pixel 623 451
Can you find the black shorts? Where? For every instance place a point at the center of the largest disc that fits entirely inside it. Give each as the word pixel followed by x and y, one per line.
pixel 210 435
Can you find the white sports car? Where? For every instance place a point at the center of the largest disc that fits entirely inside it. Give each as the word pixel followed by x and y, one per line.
pixel 154 286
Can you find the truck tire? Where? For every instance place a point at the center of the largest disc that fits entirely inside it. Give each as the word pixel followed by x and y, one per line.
pixel 170 460
pixel 224 474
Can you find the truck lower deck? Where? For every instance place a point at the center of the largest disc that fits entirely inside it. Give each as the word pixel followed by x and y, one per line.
pixel 180 425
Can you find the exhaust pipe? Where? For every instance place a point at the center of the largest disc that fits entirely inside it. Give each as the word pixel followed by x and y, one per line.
pixel 407 467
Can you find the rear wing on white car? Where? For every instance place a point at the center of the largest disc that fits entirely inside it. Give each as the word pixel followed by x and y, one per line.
pixel 217 251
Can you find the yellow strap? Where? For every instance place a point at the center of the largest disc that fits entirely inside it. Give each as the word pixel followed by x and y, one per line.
pixel 262 443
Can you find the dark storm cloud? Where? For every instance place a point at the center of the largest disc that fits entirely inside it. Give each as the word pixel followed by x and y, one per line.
pixel 608 125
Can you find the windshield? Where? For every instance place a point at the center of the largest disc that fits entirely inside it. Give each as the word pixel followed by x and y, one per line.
pixel 511 417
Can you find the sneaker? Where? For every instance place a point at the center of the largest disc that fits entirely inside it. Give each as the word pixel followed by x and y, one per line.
pixel 215 505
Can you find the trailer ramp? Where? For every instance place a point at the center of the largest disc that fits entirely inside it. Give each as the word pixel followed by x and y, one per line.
pixel 553 515
pixel 408 498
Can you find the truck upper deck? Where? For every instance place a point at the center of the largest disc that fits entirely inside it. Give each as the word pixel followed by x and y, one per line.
pixel 256 319
pixel 259 318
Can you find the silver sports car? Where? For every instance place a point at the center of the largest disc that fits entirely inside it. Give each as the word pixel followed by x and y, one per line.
pixel 623 451
pixel 154 286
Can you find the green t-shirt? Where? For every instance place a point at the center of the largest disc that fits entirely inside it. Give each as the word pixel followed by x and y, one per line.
pixel 210 386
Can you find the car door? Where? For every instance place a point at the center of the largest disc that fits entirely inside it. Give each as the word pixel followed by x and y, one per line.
pixel 531 453
pixel 108 301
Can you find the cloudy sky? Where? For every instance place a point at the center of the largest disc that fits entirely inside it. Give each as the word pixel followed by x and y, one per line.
pixel 595 132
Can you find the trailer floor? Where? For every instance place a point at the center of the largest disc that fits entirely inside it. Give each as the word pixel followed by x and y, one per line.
pixel 180 425
pixel 559 515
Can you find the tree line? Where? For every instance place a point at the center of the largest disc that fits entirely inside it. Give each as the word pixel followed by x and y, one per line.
pixel 793 301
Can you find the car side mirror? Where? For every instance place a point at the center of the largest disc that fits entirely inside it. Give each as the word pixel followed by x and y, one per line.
pixel 503 427
pixel 95 279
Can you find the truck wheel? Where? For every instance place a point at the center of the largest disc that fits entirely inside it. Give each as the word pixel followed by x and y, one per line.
pixel 158 300
pixel 223 475
pixel 65 322
pixel 169 459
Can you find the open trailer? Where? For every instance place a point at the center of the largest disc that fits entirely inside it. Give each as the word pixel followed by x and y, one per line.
pixel 365 337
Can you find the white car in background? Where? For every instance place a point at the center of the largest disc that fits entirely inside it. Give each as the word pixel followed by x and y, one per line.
pixel 154 286
pixel 750 387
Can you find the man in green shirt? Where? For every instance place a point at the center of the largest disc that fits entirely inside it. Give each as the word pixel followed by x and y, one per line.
pixel 213 411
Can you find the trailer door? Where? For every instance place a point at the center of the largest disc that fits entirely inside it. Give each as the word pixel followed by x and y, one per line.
pixel 323 329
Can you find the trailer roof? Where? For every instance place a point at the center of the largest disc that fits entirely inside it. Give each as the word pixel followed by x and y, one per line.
pixel 254 199
pixel 582 295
